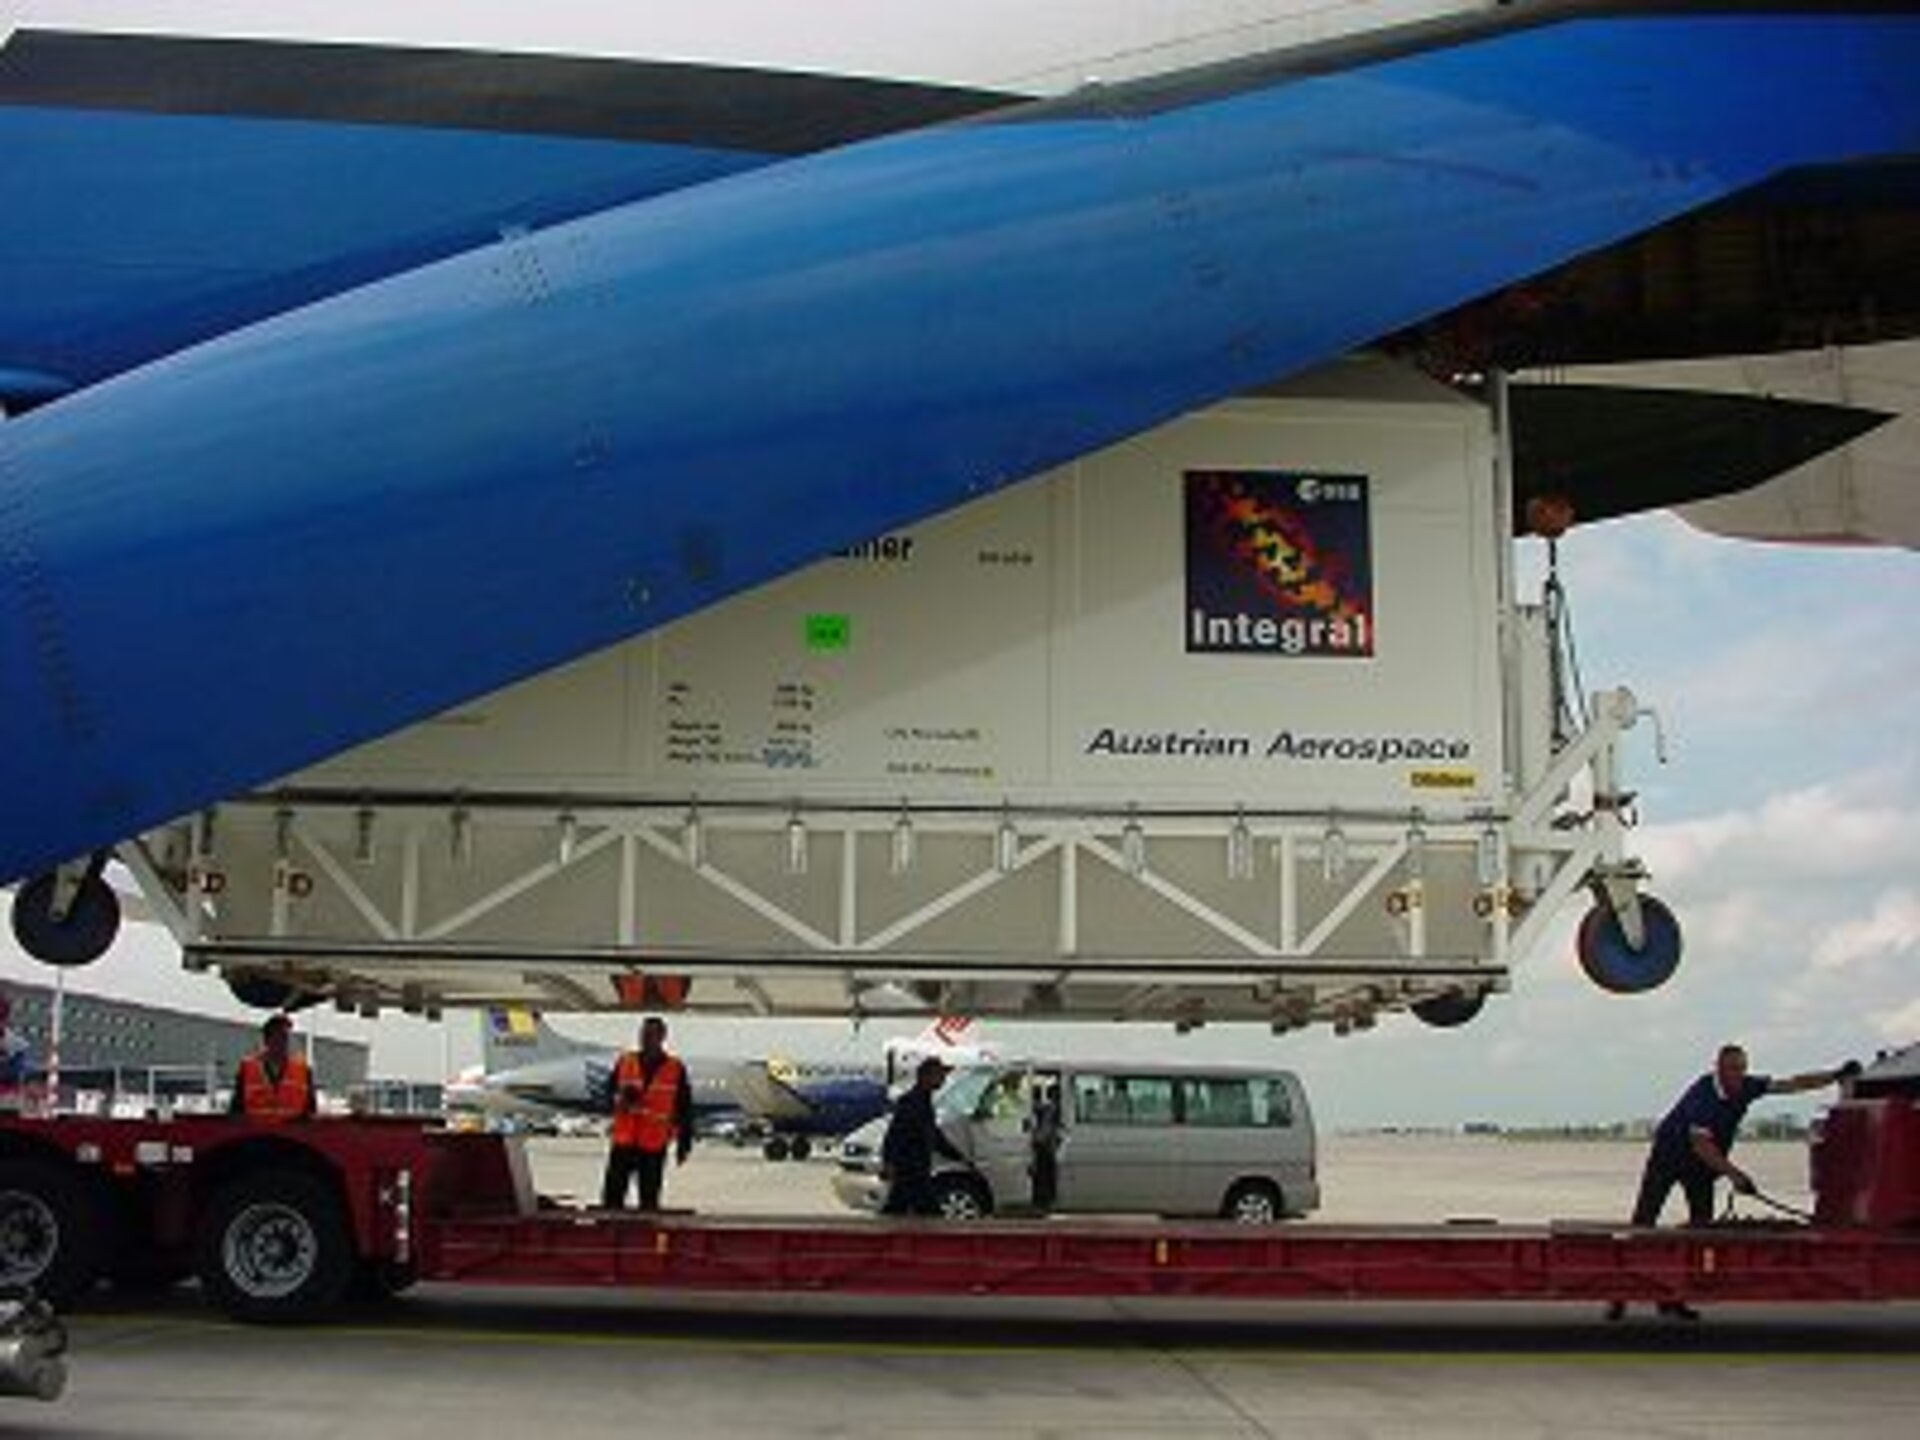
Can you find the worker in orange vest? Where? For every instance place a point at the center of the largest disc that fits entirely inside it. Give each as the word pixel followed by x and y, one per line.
pixel 652 1113
pixel 273 1083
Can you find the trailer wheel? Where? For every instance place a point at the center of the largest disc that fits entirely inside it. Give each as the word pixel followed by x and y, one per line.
pixel 1614 965
pixel 274 1246
pixel 1253 1202
pixel 961 1197
pixel 52 1229
pixel 81 937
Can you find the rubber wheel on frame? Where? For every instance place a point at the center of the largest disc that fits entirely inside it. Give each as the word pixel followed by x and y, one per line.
pixel 274 1246
pixel 82 937
pixel 53 1229
pixel 1614 965
pixel 1453 1009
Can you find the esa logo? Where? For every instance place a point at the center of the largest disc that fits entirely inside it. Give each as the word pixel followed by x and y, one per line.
pixel 1314 490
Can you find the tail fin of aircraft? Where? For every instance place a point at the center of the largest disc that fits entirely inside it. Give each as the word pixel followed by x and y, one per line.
pixel 952 1038
pixel 513 1036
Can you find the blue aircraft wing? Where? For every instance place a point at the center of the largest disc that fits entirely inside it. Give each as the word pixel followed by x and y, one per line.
pixel 304 533
pixel 159 190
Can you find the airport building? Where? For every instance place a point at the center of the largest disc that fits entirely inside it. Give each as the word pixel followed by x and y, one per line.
pixel 124 1049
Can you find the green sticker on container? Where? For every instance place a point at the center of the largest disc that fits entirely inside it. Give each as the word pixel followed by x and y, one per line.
pixel 829 632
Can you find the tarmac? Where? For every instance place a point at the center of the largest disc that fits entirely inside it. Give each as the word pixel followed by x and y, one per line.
pixel 545 1364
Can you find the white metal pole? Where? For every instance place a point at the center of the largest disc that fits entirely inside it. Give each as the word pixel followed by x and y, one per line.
pixel 56 1025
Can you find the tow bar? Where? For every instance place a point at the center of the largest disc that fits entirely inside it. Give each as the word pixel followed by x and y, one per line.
pixel 32 1340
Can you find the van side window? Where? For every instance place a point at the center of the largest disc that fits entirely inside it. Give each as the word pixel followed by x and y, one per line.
pixel 1224 1104
pixel 1272 1104
pixel 1122 1099
pixel 1005 1099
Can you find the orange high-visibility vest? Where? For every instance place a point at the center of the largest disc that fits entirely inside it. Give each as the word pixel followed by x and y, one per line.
pixel 647 1121
pixel 261 1099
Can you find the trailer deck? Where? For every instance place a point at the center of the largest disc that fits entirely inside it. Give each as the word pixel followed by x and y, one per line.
pixel 283 1221
pixel 1217 1260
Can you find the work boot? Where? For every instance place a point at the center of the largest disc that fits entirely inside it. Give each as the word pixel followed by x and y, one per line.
pixel 1678 1310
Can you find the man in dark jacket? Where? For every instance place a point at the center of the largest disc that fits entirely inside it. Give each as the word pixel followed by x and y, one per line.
pixel 913 1138
pixel 1693 1143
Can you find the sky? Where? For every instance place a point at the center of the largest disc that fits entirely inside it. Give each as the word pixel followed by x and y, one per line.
pixel 1785 834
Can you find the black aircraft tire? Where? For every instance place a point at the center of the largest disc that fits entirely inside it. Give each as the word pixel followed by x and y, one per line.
pixel 274 1247
pixel 53 1229
pixel 85 934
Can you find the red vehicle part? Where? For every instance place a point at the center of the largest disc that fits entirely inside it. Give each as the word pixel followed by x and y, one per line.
pixel 1866 1164
pixel 283 1221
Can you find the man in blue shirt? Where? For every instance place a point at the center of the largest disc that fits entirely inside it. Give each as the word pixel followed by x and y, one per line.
pixel 1692 1143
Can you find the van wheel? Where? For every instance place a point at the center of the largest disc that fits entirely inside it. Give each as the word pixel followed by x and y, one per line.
pixel 53 1237
pixel 961 1197
pixel 1252 1202
pixel 274 1246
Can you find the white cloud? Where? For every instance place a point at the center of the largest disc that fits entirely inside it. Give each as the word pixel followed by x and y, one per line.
pixel 1892 929
pixel 1851 826
pixel 1901 1026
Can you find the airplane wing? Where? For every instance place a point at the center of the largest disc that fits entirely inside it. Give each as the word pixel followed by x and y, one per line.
pixel 1611 450
pixel 160 190
pixel 340 519
pixel 1866 494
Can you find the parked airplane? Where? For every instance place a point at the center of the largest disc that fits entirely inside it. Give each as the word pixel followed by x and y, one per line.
pixel 372 358
pixel 528 1068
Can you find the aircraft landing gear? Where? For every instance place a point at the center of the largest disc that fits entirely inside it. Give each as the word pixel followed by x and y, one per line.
pixel 68 917
pixel 1611 958
pixel 775 1148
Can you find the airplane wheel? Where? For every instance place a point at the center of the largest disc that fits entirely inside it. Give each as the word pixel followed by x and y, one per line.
pixel 1454 1008
pixel 801 1148
pixel 775 1148
pixel 79 939
pixel 1616 966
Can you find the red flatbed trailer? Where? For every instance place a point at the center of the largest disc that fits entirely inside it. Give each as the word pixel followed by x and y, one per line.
pixel 285 1220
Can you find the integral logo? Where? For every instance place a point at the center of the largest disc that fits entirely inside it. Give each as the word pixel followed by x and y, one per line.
pixel 1278 563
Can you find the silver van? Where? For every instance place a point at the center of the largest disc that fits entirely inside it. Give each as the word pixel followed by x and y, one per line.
pixel 1124 1138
